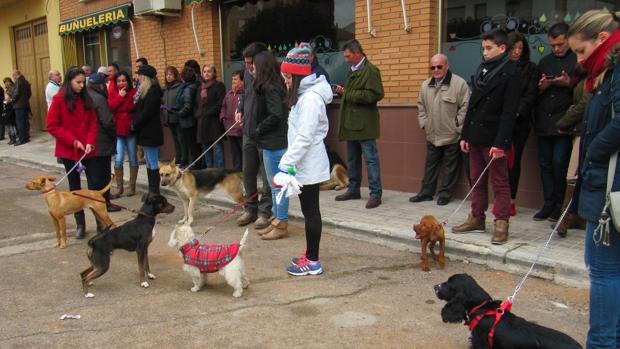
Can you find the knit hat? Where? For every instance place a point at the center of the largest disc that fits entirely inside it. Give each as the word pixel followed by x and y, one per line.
pixel 297 62
pixel 147 70
pixel 98 78
pixel 103 70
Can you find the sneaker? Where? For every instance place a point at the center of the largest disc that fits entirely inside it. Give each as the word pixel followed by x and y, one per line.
pixel 297 260
pixel 305 267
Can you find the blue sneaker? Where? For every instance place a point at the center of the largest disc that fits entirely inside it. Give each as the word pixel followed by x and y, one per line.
pixel 296 260
pixel 305 267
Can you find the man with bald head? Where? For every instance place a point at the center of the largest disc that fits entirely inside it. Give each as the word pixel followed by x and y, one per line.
pixel 53 86
pixel 442 105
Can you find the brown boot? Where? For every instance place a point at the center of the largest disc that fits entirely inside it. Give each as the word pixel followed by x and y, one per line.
pixel 261 223
pixel 133 177
pixel 567 223
pixel 472 224
pixel 118 191
pixel 268 228
pixel 280 230
pixel 500 236
pixel 246 218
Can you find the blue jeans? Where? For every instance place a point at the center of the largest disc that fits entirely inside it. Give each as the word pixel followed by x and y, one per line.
pixel 151 155
pixel 603 264
pixel 129 144
pixel 271 161
pixel 218 152
pixel 553 159
pixel 367 149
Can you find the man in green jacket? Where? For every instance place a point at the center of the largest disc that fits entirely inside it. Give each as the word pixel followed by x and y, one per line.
pixel 359 123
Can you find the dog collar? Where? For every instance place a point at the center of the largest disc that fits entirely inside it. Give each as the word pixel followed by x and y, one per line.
pixel 176 179
pixel 472 323
pixel 48 190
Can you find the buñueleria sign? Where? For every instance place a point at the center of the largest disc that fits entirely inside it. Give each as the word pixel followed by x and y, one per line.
pixel 95 20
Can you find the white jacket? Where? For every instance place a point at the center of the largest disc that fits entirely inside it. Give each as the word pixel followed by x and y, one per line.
pixel 307 127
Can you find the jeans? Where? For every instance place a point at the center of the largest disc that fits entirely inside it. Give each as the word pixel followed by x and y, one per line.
pixel 603 263
pixel 519 138
pixel 553 158
pixel 271 160
pixel 498 174
pixel 447 158
pixel 218 152
pixel 151 155
pixel 309 200
pixel 128 144
pixel 21 121
pixel 367 149
pixel 252 169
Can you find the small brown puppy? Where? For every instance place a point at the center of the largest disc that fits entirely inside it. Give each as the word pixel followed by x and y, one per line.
pixel 430 230
pixel 60 204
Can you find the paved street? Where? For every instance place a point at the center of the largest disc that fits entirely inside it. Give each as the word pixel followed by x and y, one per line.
pixel 370 296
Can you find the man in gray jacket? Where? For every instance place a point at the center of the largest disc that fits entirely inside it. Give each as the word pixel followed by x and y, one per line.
pixel 442 105
pixel 256 210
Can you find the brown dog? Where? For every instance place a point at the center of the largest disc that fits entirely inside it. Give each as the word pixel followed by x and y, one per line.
pixel 60 204
pixel 339 179
pixel 430 230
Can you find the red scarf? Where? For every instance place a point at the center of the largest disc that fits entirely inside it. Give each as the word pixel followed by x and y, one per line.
pixel 596 64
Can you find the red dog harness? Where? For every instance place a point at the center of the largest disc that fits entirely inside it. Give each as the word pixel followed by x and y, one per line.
pixel 497 313
pixel 208 258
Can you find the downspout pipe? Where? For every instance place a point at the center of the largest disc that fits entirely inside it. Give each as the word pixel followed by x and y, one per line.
pixel 372 32
pixel 407 25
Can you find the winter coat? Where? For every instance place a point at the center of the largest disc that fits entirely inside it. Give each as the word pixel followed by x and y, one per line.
pixel 492 110
pixel 186 103
pixel 271 120
pixel 2 115
pixel 571 121
pixel 553 103
pixel 307 128
pixel 247 105
pixel 8 112
pixel 529 92
pixel 318 70
pixel 209 127
pixel 123 109
pixel 208 258
pixel 67 127
pixel 21 94
pixel 169 104
pixel 600 138
pixel 112 90
pixel 106 135
pixel 359 115
pixel 147 125
pixel 441 110
pixel 227 114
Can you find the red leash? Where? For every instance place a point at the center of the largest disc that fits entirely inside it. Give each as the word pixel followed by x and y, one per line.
pixel 111 204
pixel 237 207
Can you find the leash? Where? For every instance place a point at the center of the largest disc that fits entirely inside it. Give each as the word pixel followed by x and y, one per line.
pixel 138 212
pixel 236 208
pixel 445 221
pixel 212 145
pixel 77 163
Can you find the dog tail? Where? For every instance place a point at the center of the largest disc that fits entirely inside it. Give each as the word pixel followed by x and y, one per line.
pixel 243 240
pixel 107 187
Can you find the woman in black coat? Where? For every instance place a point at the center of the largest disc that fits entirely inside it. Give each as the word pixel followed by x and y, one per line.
pixel 147 124
pixel 210 128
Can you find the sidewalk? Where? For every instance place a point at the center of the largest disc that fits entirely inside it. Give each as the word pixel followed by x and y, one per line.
pixel 391 224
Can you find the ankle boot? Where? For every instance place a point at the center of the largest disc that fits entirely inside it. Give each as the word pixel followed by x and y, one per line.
pixel 13 139
pixel 472 224
pixel 269 228
pixel 153 177
pixel 118 191
pixel 80 221
pixel 279 231
pixel 500 236
pixel 133 177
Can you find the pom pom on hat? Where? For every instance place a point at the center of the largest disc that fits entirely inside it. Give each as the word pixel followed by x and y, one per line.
pixel 297 61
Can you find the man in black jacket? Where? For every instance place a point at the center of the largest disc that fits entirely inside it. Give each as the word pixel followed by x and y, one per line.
pixel 256 210
pixel 556 96
pixel 21 105
pixel 487 134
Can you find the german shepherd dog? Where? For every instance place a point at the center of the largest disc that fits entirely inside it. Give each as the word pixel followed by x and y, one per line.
pixel 188 185
pixel 339 178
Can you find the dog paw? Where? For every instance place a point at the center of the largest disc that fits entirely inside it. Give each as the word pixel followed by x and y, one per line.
pixel 90 283
pixel 89 295
pixel 151 276
pixel 426 268
pixel 62 246
pixel 237 293
pixel 145 284
pixel 195 289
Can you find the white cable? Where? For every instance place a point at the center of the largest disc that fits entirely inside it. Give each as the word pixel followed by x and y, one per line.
pixel 407 25
pixel 71 170
pixel 371 31
pixel 469 193
pixel 200 50
pixel 135 42
pixel 212 145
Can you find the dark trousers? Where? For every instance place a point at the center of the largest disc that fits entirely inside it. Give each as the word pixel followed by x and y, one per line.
pixel 21 121
pixel 448 159
pixel 193 148
pixel 98 174
pixel 519 138
pixel 367 149
pixel 236 148
pixel 553 159
pixel 180 148
pixel 309 199
pixel 498 174
pixel 252 168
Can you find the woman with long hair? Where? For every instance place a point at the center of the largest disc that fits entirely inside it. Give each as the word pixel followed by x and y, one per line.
pixel 271 130
pixel 169 117
pixel 71 119
pixel 122 108
pixel 210 128
pixel 147 125
pixel 595 39
pixel 8 112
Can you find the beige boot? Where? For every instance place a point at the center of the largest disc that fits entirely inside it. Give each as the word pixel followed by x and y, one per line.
pixel 472 224
pixel 269 228
pixel 500 236
pixel 279 231
pixel 118 191
pixel 133 176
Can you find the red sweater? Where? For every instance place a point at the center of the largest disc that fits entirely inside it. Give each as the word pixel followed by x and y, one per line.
pixel 67 127
pixel 122 109
pixel 208 258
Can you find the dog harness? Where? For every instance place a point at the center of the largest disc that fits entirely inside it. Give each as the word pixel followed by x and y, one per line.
pixel 498 313
pixel 208 258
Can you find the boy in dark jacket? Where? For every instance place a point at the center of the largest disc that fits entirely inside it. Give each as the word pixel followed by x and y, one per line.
pixel 487 134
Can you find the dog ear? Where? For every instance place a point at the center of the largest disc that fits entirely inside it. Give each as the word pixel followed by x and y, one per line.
pixel 454 311
pixel 161 164
pixel 51 178
pixel 173 162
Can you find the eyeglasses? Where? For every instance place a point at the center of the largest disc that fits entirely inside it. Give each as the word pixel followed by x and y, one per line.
pixel 436 67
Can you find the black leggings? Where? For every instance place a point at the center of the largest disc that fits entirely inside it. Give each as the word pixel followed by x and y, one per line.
pixel 98 174
pixel 309 199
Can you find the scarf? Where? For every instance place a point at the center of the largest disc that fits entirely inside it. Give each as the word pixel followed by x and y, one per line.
pixel 204 88
pixel 238 89
pixel 596 64
pixel 488 69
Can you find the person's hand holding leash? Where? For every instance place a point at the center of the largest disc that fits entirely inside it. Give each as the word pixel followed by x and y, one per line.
pixel 496 153
pixel 78 145
pixel 89 148
pixel 465 148
pixel 239 118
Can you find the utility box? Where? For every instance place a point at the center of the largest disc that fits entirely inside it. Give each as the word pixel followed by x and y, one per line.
pixel 157 7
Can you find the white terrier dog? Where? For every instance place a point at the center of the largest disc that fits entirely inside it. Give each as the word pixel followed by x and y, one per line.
pixel 200 259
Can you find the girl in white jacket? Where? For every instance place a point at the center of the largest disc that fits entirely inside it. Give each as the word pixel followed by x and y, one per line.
pixel 306 157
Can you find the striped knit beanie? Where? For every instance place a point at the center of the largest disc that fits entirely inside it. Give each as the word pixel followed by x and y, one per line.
pixel 297 62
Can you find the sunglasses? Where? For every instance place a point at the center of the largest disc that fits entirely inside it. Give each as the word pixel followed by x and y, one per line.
pixel 436 67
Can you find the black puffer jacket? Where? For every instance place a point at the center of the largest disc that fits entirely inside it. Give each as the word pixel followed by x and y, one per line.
pixel 169 101
pixel 529 91
pixel 271 121
pixel 186 102
pixel 106 134
pixel 147 125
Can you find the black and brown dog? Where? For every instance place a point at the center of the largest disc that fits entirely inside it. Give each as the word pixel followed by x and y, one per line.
pixel 135 235
pixel 339 176
pixel 468 302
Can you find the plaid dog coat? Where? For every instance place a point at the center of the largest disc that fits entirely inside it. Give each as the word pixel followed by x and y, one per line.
pixel 208 258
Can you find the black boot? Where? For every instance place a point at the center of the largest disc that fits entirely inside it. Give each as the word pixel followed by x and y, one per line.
pixel 80 221
pixel 13 139
pixel 109 207
pixel 153 177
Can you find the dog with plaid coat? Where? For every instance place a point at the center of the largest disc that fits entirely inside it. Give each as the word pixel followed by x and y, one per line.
pixel 200 259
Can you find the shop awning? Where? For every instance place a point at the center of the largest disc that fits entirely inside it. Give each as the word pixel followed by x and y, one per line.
pixel 95 20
